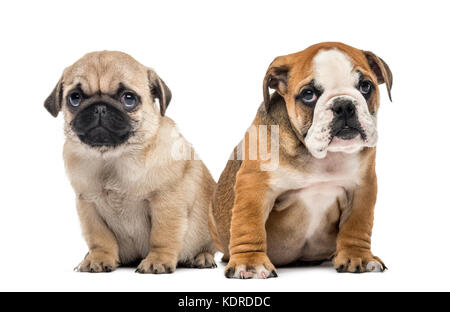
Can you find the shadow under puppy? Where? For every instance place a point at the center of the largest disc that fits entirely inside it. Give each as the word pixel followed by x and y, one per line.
pixel 140 192
pixel 316 201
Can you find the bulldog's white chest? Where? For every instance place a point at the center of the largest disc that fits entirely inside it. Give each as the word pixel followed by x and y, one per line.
pixel 337 169
pixel 309 208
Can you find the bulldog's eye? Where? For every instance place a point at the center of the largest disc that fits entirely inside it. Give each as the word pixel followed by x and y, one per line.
pixel 308 96
pixel 75 98
pixel 129 100
pixel 365 87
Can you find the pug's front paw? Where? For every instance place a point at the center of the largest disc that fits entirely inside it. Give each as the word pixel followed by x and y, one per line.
pixel 97 262
pixel 158 263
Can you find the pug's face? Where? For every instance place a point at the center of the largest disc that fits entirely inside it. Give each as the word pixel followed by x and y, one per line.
pixel 108 100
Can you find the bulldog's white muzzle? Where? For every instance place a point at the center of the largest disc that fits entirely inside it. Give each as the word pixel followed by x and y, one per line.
pixel 321 137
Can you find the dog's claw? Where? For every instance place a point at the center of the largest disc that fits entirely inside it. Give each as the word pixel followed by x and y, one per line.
pixel 229 273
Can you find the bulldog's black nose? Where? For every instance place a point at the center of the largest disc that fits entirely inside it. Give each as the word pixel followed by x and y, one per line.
pixel 343 109
pixel 100 110
pixel 345 122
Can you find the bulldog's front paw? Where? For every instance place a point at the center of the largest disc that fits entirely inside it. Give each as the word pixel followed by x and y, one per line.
pixel 357 262
pixel 158 263
pixel 250 265
pixel 98 261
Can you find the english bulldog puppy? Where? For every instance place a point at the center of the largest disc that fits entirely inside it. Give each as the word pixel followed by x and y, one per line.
pixel 316 201
pixel 137 195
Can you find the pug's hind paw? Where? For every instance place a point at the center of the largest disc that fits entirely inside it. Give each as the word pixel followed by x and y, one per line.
pixel 204 260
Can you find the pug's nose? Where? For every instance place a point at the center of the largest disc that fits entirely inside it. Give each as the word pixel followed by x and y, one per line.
pixel 344 109
pixel 100 110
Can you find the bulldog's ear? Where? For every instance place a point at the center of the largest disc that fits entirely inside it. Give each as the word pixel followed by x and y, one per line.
pixel 159 90
pixel 381 70
pixel 54 100
pixel 275 78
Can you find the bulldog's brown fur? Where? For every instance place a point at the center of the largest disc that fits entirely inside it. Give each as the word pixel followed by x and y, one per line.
pixel 262 216
pixel 136 201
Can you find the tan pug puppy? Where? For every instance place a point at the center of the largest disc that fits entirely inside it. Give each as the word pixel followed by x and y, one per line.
pixel 316 201
pixel 140 193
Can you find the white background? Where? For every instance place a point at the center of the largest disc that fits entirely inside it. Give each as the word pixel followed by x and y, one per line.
pixel 213 56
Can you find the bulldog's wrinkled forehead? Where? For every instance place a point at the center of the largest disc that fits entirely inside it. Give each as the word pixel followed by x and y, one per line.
pixel 333 69
pixel 104 71
pixel 329 64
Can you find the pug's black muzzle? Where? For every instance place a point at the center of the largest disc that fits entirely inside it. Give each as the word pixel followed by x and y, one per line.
pixel 101 124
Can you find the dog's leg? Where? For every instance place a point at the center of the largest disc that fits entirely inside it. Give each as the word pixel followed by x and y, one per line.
pixel 169 224
pixel 103 255
pixel 353 253
pixel 248 244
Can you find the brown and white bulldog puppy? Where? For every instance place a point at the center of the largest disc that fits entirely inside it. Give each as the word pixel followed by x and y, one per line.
pixel 317 202
pixel 137 197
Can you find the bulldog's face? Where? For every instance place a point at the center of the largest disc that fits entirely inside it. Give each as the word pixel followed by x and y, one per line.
pixel 108 101
pixel 331 96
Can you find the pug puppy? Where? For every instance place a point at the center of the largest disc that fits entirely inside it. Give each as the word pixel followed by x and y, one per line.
pixel 141 194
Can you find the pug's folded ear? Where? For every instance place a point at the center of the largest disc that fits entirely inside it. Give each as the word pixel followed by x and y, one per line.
pixel 54 100
pixel 275 78
pixel 159 90
pixel 381 70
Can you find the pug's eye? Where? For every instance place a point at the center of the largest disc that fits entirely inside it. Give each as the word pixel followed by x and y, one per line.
pixel 365 87
pixel 308 96
pixel 129 100
pixel 75 99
